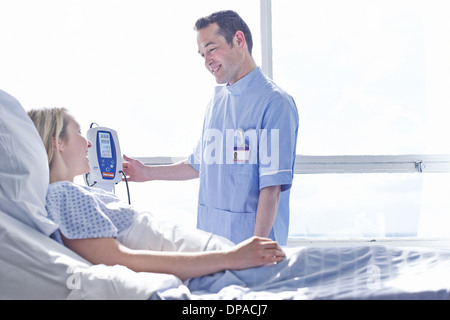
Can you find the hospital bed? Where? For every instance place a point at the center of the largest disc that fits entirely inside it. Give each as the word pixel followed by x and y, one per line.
pixel 33 266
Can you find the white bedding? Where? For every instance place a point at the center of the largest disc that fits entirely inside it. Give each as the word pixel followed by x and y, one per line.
pixel 34 266
pixel 351 272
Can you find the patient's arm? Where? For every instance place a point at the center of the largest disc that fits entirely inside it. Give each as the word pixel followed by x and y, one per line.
pixel 136 171
pixel 251 253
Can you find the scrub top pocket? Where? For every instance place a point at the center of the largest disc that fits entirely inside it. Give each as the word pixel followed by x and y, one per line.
pixel 243 197
pixel 243 174
pixel 236 226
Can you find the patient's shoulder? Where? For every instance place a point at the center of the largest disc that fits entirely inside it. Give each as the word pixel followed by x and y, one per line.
pixel 65 197
pixel 63 191
pixel 62 186
pixel 67 189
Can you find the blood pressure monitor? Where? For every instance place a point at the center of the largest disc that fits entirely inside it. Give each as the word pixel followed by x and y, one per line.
pixel 105 158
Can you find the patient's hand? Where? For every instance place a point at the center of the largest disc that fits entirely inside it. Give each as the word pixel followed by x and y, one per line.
pixel 255 252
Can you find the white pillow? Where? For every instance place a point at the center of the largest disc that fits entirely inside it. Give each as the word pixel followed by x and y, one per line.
pixel 24 173
pixel 34 266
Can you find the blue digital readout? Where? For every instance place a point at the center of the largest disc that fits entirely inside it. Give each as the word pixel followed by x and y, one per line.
pixel 106 153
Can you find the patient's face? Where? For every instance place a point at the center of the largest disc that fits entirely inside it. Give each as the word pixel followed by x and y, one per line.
pixel 74 150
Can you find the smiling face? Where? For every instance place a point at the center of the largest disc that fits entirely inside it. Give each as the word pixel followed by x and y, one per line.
pixel 225 62
pixel 73 150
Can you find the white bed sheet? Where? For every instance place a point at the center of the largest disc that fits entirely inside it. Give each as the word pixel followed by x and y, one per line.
pixel 34 266
pixel 352 272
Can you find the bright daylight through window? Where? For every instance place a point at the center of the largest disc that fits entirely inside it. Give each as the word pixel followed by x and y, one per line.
pixel 369 78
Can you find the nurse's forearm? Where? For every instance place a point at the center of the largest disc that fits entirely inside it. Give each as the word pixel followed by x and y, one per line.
pixel 137 171
pixel 175 172
pixel 267 210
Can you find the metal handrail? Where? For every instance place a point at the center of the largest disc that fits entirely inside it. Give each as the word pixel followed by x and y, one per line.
pixel 307 164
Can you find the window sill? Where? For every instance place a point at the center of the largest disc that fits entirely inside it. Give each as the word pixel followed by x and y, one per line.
pixel 441 242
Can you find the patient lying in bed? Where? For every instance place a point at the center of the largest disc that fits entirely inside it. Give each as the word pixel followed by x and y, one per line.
pixel 30 260
pixel 97 226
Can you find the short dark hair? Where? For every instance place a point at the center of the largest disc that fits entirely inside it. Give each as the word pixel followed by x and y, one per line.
pixel 229 23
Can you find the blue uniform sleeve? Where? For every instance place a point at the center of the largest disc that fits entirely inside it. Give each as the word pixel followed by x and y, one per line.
pixel 77 213
pixel 278 140
pixel 195 158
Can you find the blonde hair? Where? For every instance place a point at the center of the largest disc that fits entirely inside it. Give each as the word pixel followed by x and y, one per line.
pixel 51 123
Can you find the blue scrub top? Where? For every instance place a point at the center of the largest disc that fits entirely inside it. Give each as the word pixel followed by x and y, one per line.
pixel 248 143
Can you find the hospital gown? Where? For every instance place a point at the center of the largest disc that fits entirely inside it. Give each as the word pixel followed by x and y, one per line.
pixel 84 212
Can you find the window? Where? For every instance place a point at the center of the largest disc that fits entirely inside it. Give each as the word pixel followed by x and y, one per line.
pixel 369 78
pixel 367 205
pixel 129 65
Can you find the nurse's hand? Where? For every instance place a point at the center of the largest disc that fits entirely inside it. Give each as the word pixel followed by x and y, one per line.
pixel 254 252
pixel 135 170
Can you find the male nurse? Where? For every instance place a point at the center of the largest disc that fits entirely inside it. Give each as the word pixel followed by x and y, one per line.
pixel 245 157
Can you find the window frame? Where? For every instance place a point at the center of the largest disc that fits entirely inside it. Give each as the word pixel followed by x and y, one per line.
pixel 422 163
pixel 344 164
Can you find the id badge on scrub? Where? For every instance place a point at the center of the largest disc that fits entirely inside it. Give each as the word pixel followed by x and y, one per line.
pixel 241 154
